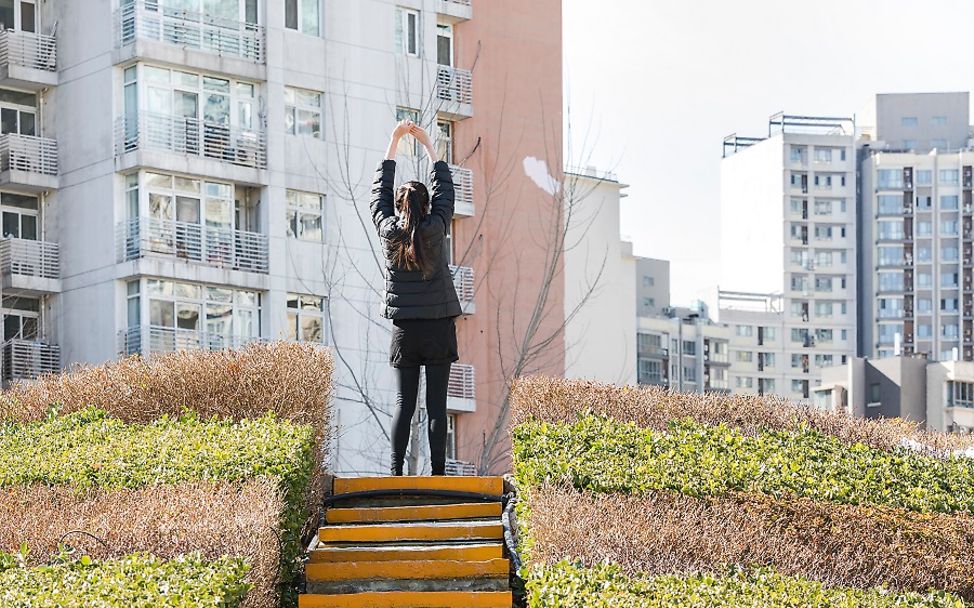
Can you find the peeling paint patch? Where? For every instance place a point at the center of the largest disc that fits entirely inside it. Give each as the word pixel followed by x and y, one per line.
pixel 537 170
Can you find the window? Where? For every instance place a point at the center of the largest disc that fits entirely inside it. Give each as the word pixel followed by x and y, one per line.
pixel 949 202
pixel 766 359
pixel 20 16
pixel 744 382
pixel 189 315
pixel 888 332
pixel 191 203
pixel 889 204
pixel 304 215
pixel 823 309
pixel 924 253
pixel 649 302
pixel 960 394
pixel 689 347
pixel 303 16
pixel 949 176
pixel 18 112
pixel 938 120
pixel 218 102
pixel 306 318
pixel 769 334
pixel 940 144
pixel 949 331
pixel 444 149
pixel 948 304
pixel 823 155
pixel 407 31
pixel 823 207
pixel 444 44
pixel 745 330
pixel 824 360
pixel 874 392
pixel 949 227
pixel 924 305
pixel 890 255
pixel 823 283
pixel 796 361
pixel 650 371
pixel 890 281
pixel 408 146
pixel 797 154
pixel 890 308
pixel 924 280
pixel 302 112
pixel 908 121
pixel 889 230
pixel 690 373
pixel 20 216
pixel 909 144
pixel 799 334
pixel 766 385
pixel 451 436
pixel 823 335
pixel 924 330
pixel 924 177
pixel 798 386
pixel 745 356
pixel 648 281
pixel 924 228
pixel 949 253
pixel 890 179
pixel 21 318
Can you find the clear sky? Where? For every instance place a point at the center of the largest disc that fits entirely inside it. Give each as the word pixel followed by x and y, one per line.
pixel 656 85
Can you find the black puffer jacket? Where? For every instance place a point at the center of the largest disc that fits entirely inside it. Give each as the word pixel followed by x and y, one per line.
pixel 408 294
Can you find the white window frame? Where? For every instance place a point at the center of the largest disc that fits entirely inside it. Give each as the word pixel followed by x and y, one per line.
pixel 18 24
pixel 8 309
pixel 444 140
pixel 294 107
pixel 445 30
pixel 300 25
pixel 295 210
pixel 402 31
pixel 295 316
pixel 408 146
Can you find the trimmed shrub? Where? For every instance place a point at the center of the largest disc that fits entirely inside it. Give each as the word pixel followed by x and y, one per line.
pixel 90 449
pixel 604 455
pixel 669 533
pixel 214 518
pixel 557 400
pixel 566 586
pixel 136 581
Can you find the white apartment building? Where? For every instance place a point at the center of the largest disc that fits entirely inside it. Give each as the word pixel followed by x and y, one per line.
pixel 788 244
pixel 917 243
pixel 196 174
pixel 684 350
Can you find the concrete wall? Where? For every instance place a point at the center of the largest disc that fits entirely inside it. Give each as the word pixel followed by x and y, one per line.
pixel 891 108
pixel 652 286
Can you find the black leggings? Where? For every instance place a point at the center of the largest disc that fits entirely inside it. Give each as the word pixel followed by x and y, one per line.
pixel 407 379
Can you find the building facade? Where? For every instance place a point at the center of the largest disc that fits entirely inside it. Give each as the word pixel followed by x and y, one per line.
pixel 684 350
pixel 788 245
pixel 917 260
pixel 195 174
pixel 652 286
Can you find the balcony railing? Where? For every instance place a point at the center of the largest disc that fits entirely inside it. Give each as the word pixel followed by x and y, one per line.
pixel 28 359
pixel 28 153
pixel 29 50
pixel 147 20
pixel 222 248
pixel 454 85
pixel 463 187
pixel 30 258
pixel 463 282
pixel 152 339
pixel 460 468
pixel 191 136
pixel 462 382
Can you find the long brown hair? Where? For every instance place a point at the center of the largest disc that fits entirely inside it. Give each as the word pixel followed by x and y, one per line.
pixel 412 203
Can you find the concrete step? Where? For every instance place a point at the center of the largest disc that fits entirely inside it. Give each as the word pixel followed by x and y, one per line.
pixel 379 585
pixel 493 486
pixel 474 529
pixel 409 599
pixel 407 570
pixel 352 553
pixel 413 513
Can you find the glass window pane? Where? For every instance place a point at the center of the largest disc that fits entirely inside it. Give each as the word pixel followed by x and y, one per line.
pixel 292 301
pixel 186 80
pixel 310 227
pixel 188 316
pixel 162 314
pixel 218 294
pixel 8 120
pixel 28 227
pixel 188 209
pixel 217 109
pixel 186 290
pixel 185 184
pixel 219 214
pixel 311 303
pixel 7 14
pixel 309 123
pixel 11 224
pixel 159 101
pixel 311 328
pixel 28 17
pixel 292 327
pixel 133 312
pixel 11 327
pixel 160 207
pixel 154 74
pixel 247 298
pixel 291 14
pixel 28 123
pixel 309 17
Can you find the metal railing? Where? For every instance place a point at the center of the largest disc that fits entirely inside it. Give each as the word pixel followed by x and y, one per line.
pixel 147 20
pixel 30 258
pixel 191 136
pixel 153 339
pixel 463 282
pixel 454 84
pixel 28 359
pixel 28 153
pixel 28 49
pixel 459 468
pixel 462 382
pixel 219 247
pixel 463 2
pixel 463 190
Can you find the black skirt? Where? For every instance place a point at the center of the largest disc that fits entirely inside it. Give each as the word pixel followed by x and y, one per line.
pixel 418 342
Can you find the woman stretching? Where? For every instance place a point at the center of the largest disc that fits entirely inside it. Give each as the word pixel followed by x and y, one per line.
pixel 419 294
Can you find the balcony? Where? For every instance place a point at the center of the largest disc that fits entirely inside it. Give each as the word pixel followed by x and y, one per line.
pixel 464 284
pixel 28 163
pixel 231 152
pixel 27 60
pixel 28 359
pixel 180 37
pixel 461 393
pixel 30 267
pixel 220 248
pixel 463 185
pixel 454 11
pixel 454 91
pixel 152 340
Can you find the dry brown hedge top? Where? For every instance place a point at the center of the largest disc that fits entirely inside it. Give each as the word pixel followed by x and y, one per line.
pixel 292 380
pixel 670 533
pixel 218 518
pixel 561 400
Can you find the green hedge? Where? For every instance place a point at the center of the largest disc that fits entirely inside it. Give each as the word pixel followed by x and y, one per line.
pixel 603 455
pixel 567 586
pixel 136 581
pixel 89 448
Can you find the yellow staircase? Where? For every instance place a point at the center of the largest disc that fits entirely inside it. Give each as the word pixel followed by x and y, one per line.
pixel 410 542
